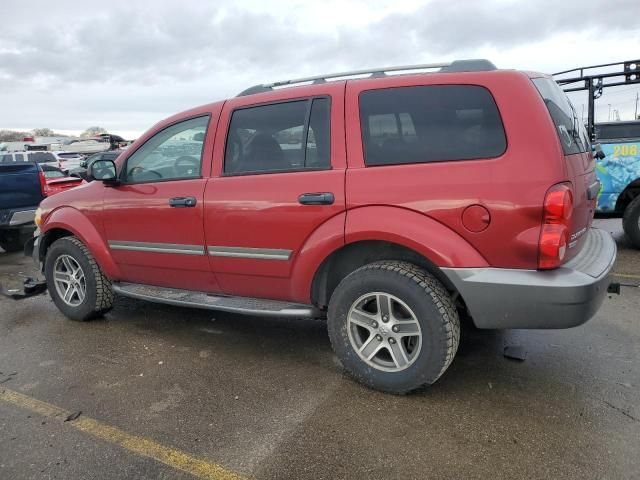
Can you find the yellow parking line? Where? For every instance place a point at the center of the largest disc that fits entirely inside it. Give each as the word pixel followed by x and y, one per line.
pixel 142 446
pixel 626 275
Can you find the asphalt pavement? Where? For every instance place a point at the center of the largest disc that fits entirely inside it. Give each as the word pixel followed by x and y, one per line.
pixel 159 392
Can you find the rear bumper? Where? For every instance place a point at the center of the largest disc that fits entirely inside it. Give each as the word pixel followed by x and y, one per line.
pixel 565 297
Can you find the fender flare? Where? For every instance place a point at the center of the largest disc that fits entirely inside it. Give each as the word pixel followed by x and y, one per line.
pixel 431 239
pixel 72 220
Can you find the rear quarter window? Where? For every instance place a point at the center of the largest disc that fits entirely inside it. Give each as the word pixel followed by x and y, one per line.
pixel 430 123
pixel 571 131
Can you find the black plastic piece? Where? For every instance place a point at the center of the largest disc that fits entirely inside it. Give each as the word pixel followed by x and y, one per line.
pixel 614 287
pixel 255 89
pixel 31 288
pixel 473 65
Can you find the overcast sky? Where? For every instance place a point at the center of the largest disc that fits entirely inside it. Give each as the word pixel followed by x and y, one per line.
pixel 125 65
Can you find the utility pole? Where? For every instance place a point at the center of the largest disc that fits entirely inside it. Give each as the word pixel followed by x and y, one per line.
pixel 635 116
pixel 609 115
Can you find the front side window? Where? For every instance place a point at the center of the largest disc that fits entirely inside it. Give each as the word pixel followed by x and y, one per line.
pixel 289 136
pixel 430 124
pixel 171 154
pixel 19 157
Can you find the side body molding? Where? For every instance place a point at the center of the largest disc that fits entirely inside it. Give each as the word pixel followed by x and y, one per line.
pixel 68 218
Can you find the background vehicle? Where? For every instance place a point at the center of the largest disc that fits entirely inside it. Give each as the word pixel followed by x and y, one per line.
pixel 81 170
pixel 59 181
pixel 392 204
pixel 619 170
pixel 619 173
pixel 22 187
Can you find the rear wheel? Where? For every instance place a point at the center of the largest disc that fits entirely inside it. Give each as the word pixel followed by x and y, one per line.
pixel 75 282
pixel 393 326
pixel 631 221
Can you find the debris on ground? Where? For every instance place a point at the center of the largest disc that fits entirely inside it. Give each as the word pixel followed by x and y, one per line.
pixel 73 416
pixel 515 352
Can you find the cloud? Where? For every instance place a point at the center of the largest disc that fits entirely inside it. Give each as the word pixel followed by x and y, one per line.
pixel 144 59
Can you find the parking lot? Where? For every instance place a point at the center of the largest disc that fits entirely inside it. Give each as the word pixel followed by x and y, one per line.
pixel 167 392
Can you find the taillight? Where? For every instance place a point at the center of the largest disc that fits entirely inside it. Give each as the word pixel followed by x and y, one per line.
pixel 43 184
pixel 556 225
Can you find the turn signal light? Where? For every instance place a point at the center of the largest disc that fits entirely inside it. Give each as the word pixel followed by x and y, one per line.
pixel 556 225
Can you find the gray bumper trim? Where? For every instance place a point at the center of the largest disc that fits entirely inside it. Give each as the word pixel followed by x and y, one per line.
pixel 560 298
pixel 22 217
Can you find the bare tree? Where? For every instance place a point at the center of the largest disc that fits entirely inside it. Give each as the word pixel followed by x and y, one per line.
pixel 93 131
pixel 43 132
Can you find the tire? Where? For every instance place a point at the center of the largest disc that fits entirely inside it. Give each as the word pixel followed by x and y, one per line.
pixel 631 222
pixel 98 294
pixel 14 240
pixel 418 299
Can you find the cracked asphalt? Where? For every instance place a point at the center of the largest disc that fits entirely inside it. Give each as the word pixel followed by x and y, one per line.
pixel 266 398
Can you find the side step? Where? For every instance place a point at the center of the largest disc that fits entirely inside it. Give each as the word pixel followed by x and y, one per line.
pixel 243 305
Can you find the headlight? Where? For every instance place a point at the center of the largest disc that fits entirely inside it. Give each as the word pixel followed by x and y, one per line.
pixel 38 217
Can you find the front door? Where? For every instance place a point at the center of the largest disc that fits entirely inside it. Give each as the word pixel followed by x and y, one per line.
pixel 153 220
pixel 280 177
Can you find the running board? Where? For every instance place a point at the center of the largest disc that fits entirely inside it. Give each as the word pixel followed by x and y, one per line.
pixel 242 305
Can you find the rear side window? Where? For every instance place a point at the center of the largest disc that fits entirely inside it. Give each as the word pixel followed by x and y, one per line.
pixel 430 124
pixel 19 157
pixel 571 131
pixel 42 157
pixel 281 137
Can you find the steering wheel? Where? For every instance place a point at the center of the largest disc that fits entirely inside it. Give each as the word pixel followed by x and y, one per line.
pixel 141 172
pixel 186 166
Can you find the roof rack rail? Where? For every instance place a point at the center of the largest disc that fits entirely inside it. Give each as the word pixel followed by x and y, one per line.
pixel 475 65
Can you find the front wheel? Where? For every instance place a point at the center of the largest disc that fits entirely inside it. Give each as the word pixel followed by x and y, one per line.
pixel 75 282
pixel 393 326
pixel 631 221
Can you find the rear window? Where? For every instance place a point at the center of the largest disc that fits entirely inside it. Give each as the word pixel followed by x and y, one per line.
pixel 42 157
pixel 618 131
pixel 65 156
pixel 430 124
pixel 6 158
pixel 571 131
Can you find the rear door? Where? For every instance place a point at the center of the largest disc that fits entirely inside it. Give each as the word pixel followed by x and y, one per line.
pixel 579 159
pixel 153 220
pixel 279 168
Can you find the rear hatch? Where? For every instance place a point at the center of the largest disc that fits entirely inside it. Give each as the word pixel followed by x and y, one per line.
pixel 578 159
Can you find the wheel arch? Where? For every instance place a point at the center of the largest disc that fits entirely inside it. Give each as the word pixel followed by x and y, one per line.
pixel 68 221
pixel 352 256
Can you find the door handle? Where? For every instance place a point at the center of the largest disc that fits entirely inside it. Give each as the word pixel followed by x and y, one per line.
pixel 182 202
pixel 325 198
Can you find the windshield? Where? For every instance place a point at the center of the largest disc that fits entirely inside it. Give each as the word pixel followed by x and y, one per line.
pixel 572 132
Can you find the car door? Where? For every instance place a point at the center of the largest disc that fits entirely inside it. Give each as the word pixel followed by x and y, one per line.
pixel 153 220
pixel 279 167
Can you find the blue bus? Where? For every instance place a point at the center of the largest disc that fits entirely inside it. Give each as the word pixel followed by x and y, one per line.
pixel 619 174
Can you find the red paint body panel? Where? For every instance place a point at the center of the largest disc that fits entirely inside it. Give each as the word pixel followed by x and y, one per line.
pixel 262 211
pixel 419 206
pixel 57 185
pixel 83 227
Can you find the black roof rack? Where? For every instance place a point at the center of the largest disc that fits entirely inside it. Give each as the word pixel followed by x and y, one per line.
pixel 474 65
pixel 594 81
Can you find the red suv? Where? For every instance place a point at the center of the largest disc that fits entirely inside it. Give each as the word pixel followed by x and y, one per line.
pixel 392 204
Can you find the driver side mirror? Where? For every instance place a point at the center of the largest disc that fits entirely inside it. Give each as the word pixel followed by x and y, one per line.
pixel 83 164
pixel 103 171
